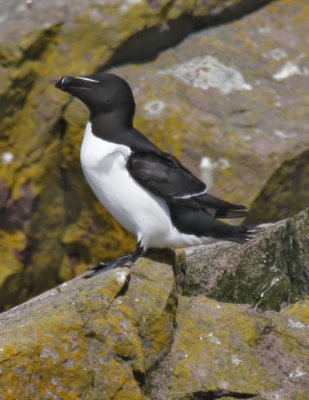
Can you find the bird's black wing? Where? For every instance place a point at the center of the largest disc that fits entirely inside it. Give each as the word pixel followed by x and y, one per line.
pixel 163 175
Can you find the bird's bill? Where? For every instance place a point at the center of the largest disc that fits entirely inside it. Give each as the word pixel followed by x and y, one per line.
pixel 75 84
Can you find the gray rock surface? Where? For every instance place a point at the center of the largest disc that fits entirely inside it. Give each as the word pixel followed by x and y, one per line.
pixel 229 351
pixel 269 272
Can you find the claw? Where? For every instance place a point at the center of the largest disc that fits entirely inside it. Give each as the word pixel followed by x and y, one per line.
pixel 101 265
pixel 119 262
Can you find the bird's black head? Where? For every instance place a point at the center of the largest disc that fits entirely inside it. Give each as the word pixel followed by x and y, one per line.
pixel 102 93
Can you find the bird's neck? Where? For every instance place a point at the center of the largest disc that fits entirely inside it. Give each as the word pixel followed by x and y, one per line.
pixel 111 123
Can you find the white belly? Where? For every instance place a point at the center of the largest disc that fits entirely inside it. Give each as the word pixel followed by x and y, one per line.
pixel 142 213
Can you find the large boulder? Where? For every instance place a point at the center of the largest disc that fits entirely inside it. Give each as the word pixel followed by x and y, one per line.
pixel 89 339
pixel 131 335
pixel 269 272
pixel 230 351
pixel 284 193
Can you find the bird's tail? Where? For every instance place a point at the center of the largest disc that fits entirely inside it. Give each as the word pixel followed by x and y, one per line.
pixel 219 208
pixel 197 221
pixel 236 234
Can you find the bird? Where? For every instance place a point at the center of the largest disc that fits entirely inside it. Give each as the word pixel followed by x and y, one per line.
pixel 148 191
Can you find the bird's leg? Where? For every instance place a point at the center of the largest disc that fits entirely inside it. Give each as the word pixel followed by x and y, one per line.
pixel 118 262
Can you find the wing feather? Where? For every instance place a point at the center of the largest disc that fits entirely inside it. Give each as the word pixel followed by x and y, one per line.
pixel 163 175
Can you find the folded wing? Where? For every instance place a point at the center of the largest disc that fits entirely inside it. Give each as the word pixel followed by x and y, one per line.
pixel 163 175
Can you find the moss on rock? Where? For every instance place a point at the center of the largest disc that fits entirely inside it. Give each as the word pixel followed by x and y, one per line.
pixel 87 339
pixel 276 200
pixel 268 272
pixel 230 348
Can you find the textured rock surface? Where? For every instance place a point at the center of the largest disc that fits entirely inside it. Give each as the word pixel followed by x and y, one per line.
pixel 51 225
pixel 89 339
pixel 286 190
pixel 270 271
pixel 235 93
pixel 227 347
pixel 128 335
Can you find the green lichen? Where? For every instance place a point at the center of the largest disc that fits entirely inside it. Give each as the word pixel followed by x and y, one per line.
pixel 268 272
pixel 154 314
pixel 87 339
pixel 279 191
pixel 207 341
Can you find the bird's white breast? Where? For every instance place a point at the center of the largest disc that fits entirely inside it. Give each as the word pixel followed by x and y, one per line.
pixel 94 150
pixel 135 208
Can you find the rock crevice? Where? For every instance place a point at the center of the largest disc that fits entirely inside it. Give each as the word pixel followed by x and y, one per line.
pixel 150 42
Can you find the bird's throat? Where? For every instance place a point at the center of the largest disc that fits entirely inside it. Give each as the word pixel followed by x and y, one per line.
pixel 109 125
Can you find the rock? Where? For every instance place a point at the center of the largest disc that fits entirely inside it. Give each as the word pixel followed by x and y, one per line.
pixel 284 192
pixel 128 335
pixel 43 195
pixel 230 348
pixel 270 271
pixel 89 339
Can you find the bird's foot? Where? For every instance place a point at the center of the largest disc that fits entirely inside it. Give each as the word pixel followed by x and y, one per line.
pixel 119 262
pixel 105 266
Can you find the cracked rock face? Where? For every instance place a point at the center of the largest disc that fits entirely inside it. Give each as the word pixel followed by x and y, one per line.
pixel 89 339
pixel 269 272
pixel 230 348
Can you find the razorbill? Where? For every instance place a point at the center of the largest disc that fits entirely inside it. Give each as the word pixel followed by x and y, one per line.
pixel 148 191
